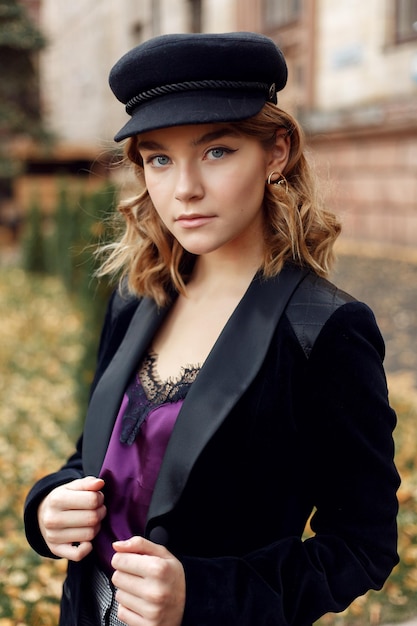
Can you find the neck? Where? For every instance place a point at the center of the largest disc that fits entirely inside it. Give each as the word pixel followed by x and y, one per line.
pixel 224 272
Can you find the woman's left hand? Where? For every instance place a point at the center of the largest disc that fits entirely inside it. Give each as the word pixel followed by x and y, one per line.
pixel 150 583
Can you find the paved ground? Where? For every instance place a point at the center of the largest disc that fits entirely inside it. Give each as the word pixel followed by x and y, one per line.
pixel 389 285
pixel 387 281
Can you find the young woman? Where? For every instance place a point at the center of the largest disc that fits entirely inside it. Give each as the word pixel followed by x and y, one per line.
pixel 237 391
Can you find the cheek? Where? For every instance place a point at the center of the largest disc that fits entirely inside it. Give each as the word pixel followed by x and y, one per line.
pixel 160 206
pixel 157 193
pixel 247 188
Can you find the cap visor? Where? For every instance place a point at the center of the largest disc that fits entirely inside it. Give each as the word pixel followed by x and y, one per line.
pixel 185 108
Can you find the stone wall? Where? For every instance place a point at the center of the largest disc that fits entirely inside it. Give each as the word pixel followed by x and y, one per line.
pixel 371 182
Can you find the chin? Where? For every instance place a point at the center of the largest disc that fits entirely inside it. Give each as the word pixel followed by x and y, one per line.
pixel 198 249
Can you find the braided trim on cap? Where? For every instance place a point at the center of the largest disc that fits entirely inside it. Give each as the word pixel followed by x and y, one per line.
pixel 199 85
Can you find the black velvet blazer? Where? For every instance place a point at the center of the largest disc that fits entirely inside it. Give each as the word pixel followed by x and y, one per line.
pixel 288 416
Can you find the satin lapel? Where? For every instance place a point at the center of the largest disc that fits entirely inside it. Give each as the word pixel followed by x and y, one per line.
pixel 106 399
pixel 227 372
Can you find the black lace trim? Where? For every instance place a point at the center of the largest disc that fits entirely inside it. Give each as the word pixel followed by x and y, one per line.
pixel 171 390
pixel 147 391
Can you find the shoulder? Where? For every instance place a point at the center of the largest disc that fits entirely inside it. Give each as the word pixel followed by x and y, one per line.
pixel 121 304
pixel 120 310
pixel 313 303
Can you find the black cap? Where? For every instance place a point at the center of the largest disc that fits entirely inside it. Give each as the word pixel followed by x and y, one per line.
pixel 180 79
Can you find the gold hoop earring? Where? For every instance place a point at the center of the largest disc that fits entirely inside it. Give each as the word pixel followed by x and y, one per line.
pixel 269 179
pixel 281 180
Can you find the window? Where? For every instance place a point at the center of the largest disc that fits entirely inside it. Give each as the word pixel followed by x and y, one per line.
pixel 136 32
pixel 156 17
pixel 281 12
pixel 406 20
pixel 195 16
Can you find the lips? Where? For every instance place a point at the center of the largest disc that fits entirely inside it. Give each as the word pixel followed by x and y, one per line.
pixel 193 220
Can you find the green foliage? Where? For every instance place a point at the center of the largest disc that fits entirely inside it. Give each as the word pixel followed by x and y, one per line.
pixel 16 29
pixel 91 295
pixel 20 114
pixel 79 225
pixel 64 236
pixel 19 40
pixel 9 168
pixel 40 338
pixel 33 250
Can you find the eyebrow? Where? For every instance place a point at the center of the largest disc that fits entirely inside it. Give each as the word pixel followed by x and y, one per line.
pixel 206 138
pixel 216 134
pixel 149 145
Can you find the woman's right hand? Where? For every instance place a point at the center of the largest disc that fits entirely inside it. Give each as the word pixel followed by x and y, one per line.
pixel 70 517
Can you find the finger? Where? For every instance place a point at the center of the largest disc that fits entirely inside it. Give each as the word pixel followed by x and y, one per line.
pixel 80 516
pixel 133 618
pixel 67 498
pixel 86 491
pixel 140 545
pixel 129 583
pixel 157 600
pixel 70 535
pixel 70 551
pixel 133 555
pixel 88 483
pixel 55 521
pixel 130 567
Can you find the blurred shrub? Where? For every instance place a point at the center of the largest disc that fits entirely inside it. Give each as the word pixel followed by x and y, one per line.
pixel 33 244
pixel 64 237
pixel 90 229
pixel 79 224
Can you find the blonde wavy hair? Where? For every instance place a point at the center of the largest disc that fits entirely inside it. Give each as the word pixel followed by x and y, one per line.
pixel 297 226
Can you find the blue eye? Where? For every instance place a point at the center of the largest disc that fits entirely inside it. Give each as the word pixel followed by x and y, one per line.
pixel 159 161
pixel 216 153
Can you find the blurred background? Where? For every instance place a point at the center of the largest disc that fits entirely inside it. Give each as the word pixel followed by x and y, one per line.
pixel 352 85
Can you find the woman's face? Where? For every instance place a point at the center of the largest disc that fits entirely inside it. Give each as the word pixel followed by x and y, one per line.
pixel 207 184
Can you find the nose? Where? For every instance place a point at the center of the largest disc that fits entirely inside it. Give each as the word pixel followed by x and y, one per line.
pixel 189 185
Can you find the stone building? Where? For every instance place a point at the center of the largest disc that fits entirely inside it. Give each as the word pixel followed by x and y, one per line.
pixel 352 84
pixel 353 69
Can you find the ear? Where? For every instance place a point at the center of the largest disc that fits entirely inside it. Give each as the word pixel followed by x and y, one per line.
pixel 279 153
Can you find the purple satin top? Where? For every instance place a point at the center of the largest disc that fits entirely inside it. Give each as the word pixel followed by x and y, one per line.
pixel 130 473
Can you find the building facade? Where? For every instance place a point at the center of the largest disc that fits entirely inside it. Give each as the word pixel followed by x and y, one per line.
pixel 352 84
pixel 354 88
pixel 86 38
